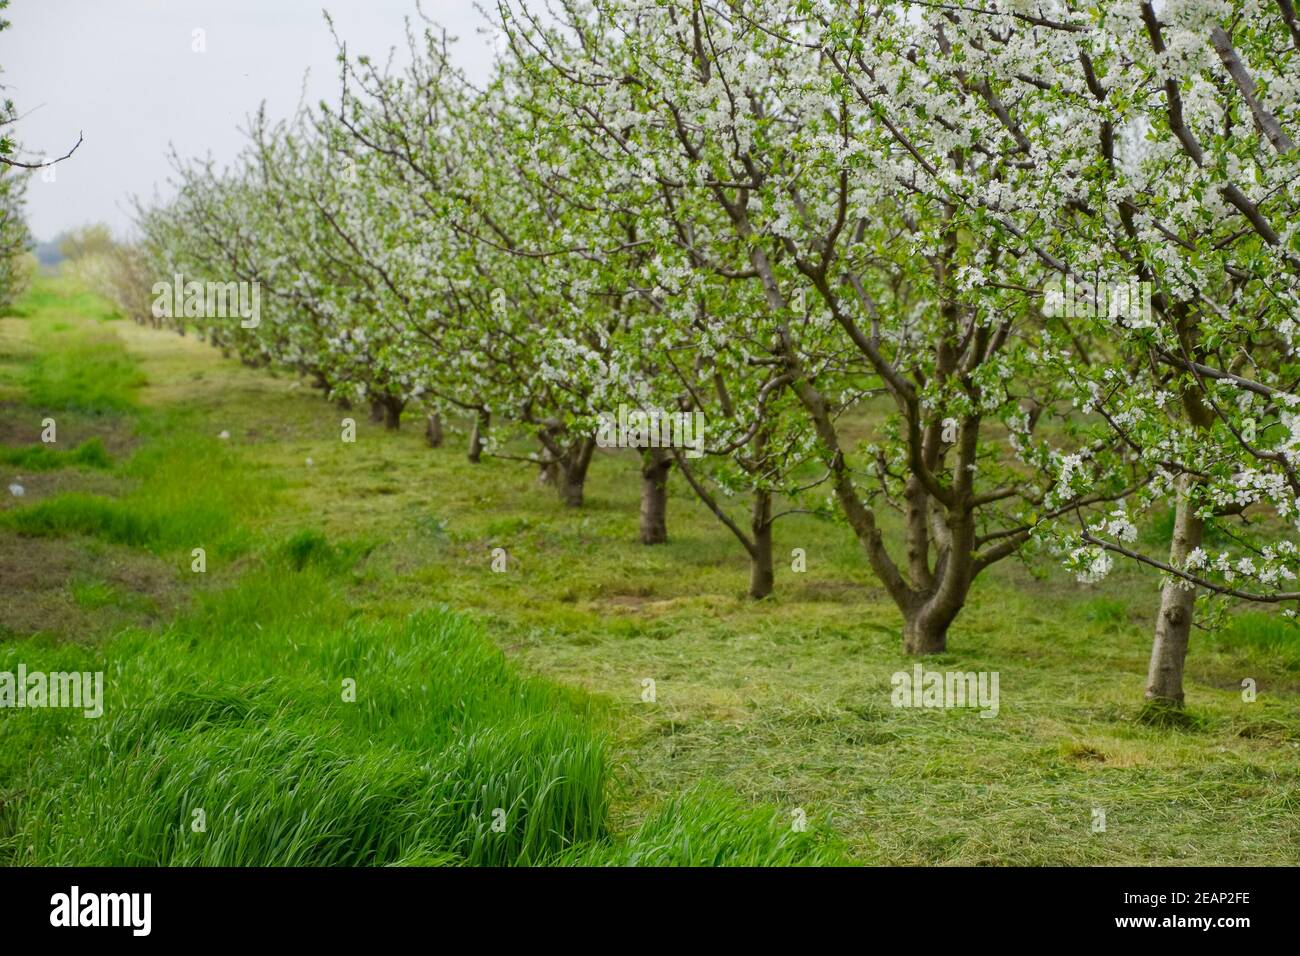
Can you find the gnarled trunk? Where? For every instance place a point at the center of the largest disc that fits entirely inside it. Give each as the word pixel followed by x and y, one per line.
pixel 1177 606
pixel 928 613
pixel 376 410
pixel 655 465
pixel 929 610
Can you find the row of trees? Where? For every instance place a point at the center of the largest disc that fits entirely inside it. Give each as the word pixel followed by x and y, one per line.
pixel 1047 256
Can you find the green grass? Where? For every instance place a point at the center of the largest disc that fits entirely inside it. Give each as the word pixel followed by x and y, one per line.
pixel 93 515
pixel 1272 636
pixel 287 772
pixel 80 364
pixel 373 743
pixel 187 495
pixel 62 296
pixel 706 828
pixel 89 454
pixel 86 370
pixel 243 707
pixel 311 548
pixel 1106 612
pixel 94 593
pixel 341 567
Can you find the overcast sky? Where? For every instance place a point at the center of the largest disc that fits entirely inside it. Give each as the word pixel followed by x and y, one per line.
pixel 124 72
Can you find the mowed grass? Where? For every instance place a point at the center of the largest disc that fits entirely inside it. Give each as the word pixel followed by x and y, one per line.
pixel 762 714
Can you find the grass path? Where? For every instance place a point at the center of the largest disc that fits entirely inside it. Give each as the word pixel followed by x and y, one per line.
pixel 322 555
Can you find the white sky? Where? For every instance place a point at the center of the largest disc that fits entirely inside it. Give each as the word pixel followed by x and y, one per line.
pixel 124 73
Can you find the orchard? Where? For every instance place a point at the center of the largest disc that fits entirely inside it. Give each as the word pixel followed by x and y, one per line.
pixel 774 216
pixel 716 359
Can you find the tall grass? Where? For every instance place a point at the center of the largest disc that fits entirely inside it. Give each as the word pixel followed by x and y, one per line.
pixel 89 454
pixel 92 515
pixel 238 711
pixel 231 739
pixel 711 828
pixel 1275 636
pixel 189 492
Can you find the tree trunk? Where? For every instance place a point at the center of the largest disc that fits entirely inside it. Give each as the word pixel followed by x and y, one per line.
pixel 924 633
pixel 482 422
pixel 573 471
pixel 655 465
pixel 571 492
pixel 433 431
pixel 393 413
pixel 1177 605
pixel 762 578
pixel 376 410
